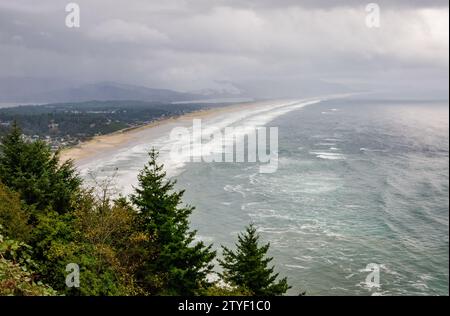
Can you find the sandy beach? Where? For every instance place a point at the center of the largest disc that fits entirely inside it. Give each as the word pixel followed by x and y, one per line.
pixel 109 142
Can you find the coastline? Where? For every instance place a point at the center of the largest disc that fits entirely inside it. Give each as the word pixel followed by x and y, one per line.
pixel 100 144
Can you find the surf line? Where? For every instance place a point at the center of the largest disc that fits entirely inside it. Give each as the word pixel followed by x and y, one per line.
pixel 218 145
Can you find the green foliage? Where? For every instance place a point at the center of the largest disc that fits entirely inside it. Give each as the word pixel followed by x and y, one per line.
pixel 52 239
pixel 16 274
pixel 178 266
pixel 32 170
pixel 83 120
pixel 139 247
pixel 98 237
pixel 13 217
pixel 109 229
pixel 247 268
pixel 224 290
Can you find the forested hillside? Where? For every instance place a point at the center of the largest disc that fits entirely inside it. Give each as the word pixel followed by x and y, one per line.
pixel 65 124
pixel 132 245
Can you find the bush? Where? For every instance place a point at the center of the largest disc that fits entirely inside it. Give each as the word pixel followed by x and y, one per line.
pixel 16 275
pixel 13 217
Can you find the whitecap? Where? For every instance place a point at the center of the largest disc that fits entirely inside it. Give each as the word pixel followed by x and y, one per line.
pixel 349 276
pixel 304 258
pixel 325 144
pixel 295 266
pixel 328 155
pixel 234 189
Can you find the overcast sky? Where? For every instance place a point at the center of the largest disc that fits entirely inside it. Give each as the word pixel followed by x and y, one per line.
pixel 189 45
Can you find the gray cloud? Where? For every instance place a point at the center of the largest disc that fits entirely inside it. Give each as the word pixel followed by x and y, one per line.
pixel 189 45
pixel 327 4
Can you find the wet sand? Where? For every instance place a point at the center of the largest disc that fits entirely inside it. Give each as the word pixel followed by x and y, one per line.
pixel 101 145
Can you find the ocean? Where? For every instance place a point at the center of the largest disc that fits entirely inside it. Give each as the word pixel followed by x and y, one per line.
pixel 359 182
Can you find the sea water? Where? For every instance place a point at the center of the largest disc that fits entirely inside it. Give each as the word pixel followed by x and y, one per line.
pixel 359 182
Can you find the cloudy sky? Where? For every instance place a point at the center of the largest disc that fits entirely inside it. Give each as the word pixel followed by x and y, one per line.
pixel 196 44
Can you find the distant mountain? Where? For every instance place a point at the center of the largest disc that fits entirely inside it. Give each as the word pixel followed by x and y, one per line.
pixel 48 90
pixel 270 88
pixel 33 90
pixel 228 90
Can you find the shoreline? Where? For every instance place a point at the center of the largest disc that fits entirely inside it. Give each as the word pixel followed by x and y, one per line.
pixel 100 144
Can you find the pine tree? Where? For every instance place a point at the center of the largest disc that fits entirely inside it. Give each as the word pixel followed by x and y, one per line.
pixel 11 149
pixel 247 268
pixel 35 172
pixel 178 266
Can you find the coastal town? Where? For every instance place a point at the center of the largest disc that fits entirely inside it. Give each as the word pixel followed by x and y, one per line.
pixel 67 124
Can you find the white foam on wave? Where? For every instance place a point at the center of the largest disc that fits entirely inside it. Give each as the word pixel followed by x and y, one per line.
pixel 235 189
pixel 328 155
pixel 249 204
pixel 248 124
pixel 264 214
pixel 130 159
pixel 295 266
pixel 332 140
pixel 305 258
pixel 372 150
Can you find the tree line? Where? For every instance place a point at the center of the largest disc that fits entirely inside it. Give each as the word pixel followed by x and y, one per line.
pixel 140 244
pixel 84 120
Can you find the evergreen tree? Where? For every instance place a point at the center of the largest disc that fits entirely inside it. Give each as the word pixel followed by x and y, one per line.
pixel 32 170
pixel 247 268
pixel 177 266
pixel 11 151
